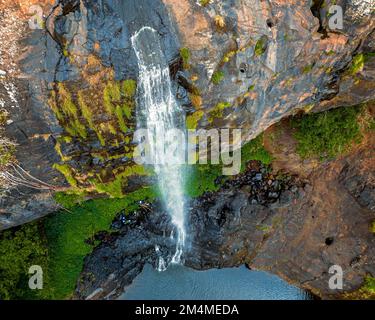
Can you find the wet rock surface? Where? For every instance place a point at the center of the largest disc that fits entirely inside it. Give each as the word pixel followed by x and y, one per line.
pixel 299 235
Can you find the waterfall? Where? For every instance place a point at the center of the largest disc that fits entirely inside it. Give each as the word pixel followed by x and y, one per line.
pixel 159 112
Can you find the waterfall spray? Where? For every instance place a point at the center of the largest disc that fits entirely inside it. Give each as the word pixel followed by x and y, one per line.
pixel 160 113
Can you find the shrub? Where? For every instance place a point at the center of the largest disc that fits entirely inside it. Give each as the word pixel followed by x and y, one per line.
pixel 21 248
pixel 327 134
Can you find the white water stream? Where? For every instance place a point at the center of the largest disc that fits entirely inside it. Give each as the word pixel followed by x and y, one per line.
pixel 159 113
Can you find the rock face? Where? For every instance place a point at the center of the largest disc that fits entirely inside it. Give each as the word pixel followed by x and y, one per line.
pixel 262 60
pixel 295 229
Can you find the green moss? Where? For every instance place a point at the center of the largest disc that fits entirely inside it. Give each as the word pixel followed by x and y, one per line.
pixel 228 56
pixel 217 77
pixel 327 134
pixel 358 63
pixel 203 178
pixel 372 227
pixel 254 150
pixel 21 248
pixel 86 111
pixel 264 228
pixel 67 231
pixel 193 119
pixel 252 87
pixel 120 119
pixel 217 111
pixel 111 95
pixel 204 3
pixel 369 285
pixel 7 148
pixel 67 105
pixel 79 128
pixel 67 172
pixel 69 200
pixel 115 188
pixel 261 46
pixel 127 111
pixel 129 88
pixel 185 55
pixel 54 107
pixel 307 68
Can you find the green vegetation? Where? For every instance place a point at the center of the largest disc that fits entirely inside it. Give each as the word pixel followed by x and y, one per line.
pixel 58 244
pixel 185 55
pixel 111 94
pixel 67 172
pixel 369 285
pixel 366 292
pixel 372 227
pixel 67 231
pixel 307 68
pixel 193 119
pixel 86 111
pixel 208 177
pixel 69 115
pixel 7 148
pixel 254 150
pixel 120 119
pixel 204 3
pixel 217 77
pixel 115 188
pixel 129 88
pixel 327 134
pixel 217 111
pixel 261 46
pixel 358 63
pixel 21 248
pixel 229 55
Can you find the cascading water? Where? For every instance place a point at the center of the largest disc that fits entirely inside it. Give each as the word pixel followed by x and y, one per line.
pixel 160 114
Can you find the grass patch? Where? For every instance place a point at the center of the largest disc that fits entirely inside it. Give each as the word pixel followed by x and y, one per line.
pixel 67 231
pixel 254 150
pixel 327 134
pixel 208 177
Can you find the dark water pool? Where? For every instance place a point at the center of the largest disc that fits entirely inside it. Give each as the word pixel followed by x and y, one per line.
pixel 179 282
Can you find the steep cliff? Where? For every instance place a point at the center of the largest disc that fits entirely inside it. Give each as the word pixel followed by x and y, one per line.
pixel 258 61
pixel 68 80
